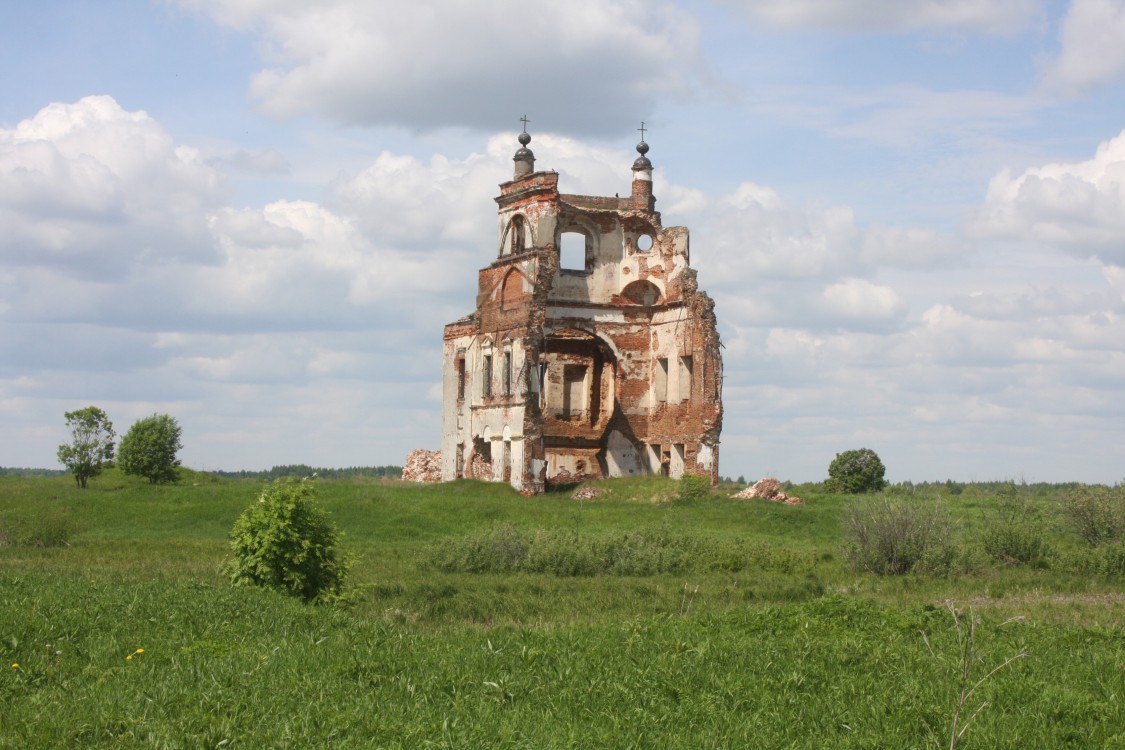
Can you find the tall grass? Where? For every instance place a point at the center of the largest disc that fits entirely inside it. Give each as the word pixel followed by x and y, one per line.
pixel 484 619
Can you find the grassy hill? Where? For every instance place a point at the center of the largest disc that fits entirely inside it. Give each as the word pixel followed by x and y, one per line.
pixel 479 618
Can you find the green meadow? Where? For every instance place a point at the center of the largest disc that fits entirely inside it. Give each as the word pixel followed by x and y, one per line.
pixel 478 618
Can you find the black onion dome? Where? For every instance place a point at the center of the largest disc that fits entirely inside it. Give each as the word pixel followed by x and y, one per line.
pixel 642 161
pixel 524 153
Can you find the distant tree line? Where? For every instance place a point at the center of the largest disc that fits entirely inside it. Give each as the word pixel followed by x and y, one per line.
pixel 16 471
pixel 304 470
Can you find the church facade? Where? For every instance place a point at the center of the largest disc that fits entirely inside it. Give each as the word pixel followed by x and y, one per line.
pixel 591 353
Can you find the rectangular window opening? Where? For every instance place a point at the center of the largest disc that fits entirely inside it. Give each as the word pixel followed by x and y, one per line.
pixel 661 380
pixel 686 370
pixel 572 251
pixel 487 376
pixel 508 373
pixel 574 391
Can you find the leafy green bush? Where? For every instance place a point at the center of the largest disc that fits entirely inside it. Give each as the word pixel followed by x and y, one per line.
pixel 149 449
pixel 1107 560
pixel 691 487
pixel 892 537
pixel 285 541
pixel 1097 513
pixel 856 471
pixel 1015 534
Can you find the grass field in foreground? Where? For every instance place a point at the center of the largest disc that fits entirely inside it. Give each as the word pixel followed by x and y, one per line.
pixel 764 638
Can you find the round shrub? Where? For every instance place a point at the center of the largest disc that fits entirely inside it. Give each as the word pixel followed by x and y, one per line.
pixel 285 541
pixel 856 471
pixel 149 449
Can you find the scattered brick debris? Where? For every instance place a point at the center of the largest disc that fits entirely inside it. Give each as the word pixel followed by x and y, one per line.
pixel 422 466
pixel 768 489
pixel 586 493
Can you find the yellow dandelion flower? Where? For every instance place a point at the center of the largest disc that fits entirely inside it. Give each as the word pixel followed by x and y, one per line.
pixel 15 665
pixel 129 657
pixel 140 650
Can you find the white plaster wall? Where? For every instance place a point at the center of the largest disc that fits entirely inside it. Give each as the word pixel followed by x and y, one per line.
pixel 705 457
pixel 621 458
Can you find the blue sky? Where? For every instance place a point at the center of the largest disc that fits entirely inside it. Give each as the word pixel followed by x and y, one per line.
pixel 256 215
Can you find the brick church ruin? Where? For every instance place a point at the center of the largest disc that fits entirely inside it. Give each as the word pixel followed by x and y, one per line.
pixel 591 352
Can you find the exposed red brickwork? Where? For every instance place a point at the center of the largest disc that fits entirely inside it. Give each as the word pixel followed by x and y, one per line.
pixel 579 374
pixel 422 466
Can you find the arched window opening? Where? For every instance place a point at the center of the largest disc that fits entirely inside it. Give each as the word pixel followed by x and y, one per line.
pixel 517 235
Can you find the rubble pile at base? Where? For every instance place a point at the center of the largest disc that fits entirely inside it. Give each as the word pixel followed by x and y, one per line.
pixel 481 469
pixel 422 466
pixel 768 489
pixel 586 493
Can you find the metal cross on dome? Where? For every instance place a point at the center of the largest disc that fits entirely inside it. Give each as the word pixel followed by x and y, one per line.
pixel 642 129
pixel 525 121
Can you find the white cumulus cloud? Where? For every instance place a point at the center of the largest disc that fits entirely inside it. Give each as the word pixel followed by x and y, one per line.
pixel 1077 206
pixel 986 16
pixel 1091 47
pixel 435 63
pixel 861 301
pixel 92 188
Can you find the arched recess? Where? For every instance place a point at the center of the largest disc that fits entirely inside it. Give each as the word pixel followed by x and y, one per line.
pixel 516 237
pixel 514 289
pixel 642 292
pixel 580 382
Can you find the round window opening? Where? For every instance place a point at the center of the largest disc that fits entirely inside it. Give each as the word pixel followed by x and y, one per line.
pixel 644 243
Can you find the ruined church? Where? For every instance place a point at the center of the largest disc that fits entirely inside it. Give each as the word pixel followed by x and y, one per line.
pixel 591 353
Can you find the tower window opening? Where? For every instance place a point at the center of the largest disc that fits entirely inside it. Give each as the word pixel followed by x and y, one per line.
pixel 517 235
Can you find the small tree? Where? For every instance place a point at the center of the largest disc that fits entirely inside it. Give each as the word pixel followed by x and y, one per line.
pixel 91 444
pixel 285 541
pixel 149 449
pixel 856 471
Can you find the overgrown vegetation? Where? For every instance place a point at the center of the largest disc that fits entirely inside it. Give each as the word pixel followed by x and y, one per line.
pixel 1015 533
pixel 1098 513
pixel 477 617
pixel 644 552
pixel 691 487
pixel 892 536
pixel 48 529
pixel 285 541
